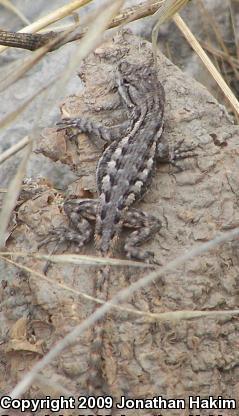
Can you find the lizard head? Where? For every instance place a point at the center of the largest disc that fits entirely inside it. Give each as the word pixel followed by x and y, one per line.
pixel 136 79
pixel 132 73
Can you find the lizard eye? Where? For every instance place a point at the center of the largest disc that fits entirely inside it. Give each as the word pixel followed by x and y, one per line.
pixel 123 66
pixel 126 82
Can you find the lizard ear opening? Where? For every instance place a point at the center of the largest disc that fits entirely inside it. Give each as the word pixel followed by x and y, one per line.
pixel 123 66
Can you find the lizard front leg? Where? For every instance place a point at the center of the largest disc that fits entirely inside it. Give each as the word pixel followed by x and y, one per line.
pixel 98 133
pixel 146 226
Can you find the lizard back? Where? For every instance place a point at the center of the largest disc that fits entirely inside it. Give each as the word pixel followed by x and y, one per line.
pixel 125 168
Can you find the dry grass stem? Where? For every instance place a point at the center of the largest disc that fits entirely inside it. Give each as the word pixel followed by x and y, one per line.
pixel 9 118
pixel 15 10
pixel 161 316
pixel 90 40
pixel 100 21
pixel 51 18
pixel 165 12
pixel 213 24
pixel 22 40
pixel 92 37
pixel 79 259
pixel 36 275
pixel 121 296
pixel 12 195
pixel 14 149
pixel 109 16
pixel 207 62
pixel 220 54
pixel 133 13
pixel 88 43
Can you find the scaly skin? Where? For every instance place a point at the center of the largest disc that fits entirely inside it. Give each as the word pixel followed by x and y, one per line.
pixel 123 175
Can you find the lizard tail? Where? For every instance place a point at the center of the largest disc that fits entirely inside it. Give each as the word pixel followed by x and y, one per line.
pixel 95 376
pixel 96 380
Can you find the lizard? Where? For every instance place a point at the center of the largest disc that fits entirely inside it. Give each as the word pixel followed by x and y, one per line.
pixel 123 175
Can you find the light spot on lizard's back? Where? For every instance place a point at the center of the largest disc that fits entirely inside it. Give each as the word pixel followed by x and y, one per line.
pixel 150 163
pixel 143 175
pixel 147 168
pixel 136 188
pixel 130 199
pixel 112 166
pixel 117 153
pixel 124 141
pixel 106 183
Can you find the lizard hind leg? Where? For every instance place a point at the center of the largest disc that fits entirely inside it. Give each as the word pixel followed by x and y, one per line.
pixel 79 232
pixel 80 212
pixel 146 226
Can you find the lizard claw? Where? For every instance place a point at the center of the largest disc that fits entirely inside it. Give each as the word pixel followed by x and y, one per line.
pixel 54 235
pixel 136 254
pixel 148 256
pixel 179 153
pixel 67 124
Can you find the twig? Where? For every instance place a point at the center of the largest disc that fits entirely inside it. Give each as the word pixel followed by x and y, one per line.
pixel 14 149
pixel 33 41
pixel 45 21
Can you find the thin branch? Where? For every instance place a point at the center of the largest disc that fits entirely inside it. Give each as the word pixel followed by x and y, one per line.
pixel 14 149
pixel 33 41
pixel 45 21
